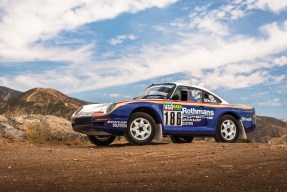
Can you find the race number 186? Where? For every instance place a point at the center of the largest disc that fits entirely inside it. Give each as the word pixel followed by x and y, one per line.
pixel 173 118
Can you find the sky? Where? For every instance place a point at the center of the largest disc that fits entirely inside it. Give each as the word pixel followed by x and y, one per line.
pixel 111 50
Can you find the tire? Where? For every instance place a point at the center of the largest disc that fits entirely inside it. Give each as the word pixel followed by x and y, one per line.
pixel 101 140
pixel 227 129
pixel 181 139
pixel 141 129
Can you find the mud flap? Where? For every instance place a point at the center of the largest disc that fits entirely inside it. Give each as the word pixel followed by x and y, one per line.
pixel 242 134
pixel 158 135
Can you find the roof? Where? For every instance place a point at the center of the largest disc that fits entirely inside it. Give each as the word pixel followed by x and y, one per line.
pixel 201 86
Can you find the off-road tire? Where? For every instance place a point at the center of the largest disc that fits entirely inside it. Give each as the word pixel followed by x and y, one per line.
pixel 227 129
pixel 141 129
pixel 181 139
pixel 101 140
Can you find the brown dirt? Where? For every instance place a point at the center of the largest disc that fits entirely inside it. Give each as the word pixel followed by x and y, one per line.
pixel 199 166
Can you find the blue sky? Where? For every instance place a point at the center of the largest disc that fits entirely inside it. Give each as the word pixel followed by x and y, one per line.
pixel 110 50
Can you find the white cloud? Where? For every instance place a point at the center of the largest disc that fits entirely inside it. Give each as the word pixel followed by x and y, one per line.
pixel 209 25
pixel 121 38
pixel 273 5
pixel 193 53
pixel 231 62
pixel 24 23
pixel 281 61
pixel 271 102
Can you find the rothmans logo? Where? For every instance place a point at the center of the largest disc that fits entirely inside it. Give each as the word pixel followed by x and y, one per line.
pixel 193 111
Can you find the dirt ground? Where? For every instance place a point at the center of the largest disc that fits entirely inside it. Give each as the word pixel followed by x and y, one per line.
pixel 198 166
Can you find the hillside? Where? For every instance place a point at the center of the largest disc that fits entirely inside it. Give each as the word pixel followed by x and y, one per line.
pixel 6 94
pixel 284 120
pixel 45 101
pixel 266 129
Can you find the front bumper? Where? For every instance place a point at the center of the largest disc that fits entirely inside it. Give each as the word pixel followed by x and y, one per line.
pixel 92 125
pixel 90 130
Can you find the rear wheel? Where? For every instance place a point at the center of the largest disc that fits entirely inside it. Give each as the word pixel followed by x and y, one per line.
pixel 227 129
pixel 141 129
pixel 181 139
pixel 101 140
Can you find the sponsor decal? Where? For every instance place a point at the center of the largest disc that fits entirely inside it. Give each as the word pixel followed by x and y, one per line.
pixel 178 115
pixel 246 119
pixel 121 124
pixel 196 117
pixel 172 114
pixel 193 111
pixel 172 107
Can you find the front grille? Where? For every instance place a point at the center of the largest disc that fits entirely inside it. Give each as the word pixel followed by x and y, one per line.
pixel 84 121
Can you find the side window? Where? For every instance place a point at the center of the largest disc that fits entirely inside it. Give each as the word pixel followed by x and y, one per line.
pixel 184 93
pixel 177 94
pixel 195 95
pixel 208 98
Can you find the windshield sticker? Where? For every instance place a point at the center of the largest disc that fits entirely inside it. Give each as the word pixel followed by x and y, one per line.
pixel 166 86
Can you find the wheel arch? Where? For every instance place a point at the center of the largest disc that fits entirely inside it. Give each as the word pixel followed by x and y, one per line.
pixel 152 112
pixel 155 114
pixel 242 133
pixel 233 114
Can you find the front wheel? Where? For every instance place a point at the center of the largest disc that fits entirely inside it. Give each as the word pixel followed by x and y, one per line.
pixel 227 129
pixel 141 129
pixel 101 140
pixel 181 139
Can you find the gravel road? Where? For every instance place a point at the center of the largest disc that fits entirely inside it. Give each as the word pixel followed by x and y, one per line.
pixel 198 166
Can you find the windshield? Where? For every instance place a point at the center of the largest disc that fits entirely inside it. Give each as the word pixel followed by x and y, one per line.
pixel 158 91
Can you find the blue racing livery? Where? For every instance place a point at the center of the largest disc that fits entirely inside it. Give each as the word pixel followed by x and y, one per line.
pixel 179 111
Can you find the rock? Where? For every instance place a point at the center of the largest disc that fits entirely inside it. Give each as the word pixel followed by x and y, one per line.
pixel 278 140
pixel 39 129
pixel 10 132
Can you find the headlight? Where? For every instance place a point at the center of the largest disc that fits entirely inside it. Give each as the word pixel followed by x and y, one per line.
pixel 77 111
pixel 110 107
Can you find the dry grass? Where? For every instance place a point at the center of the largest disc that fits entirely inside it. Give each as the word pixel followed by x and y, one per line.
pixel 50 108
pixel 39 133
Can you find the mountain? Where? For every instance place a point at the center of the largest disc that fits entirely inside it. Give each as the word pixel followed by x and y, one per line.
pixel 284 120
pixel 266 129
pixel 45 101
pixel 7 94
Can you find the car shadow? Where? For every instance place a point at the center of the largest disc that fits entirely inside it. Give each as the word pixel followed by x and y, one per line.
pixel 117 145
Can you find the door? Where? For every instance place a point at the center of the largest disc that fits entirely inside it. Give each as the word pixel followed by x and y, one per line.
pixel 193 114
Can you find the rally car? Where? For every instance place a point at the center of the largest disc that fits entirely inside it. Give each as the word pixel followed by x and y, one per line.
pixel 168 109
